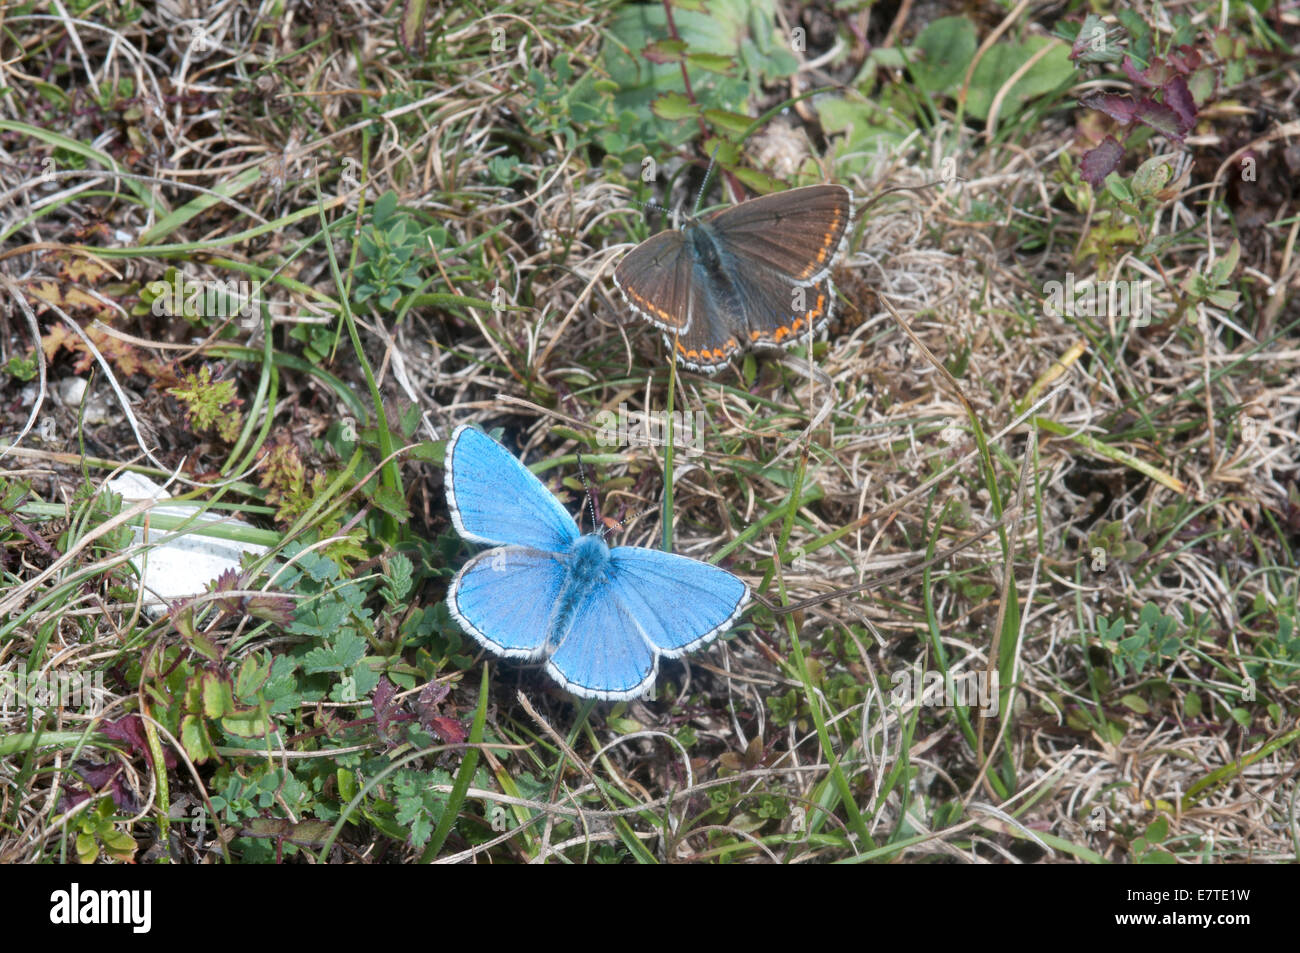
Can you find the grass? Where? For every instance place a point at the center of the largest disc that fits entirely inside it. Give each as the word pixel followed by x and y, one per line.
pixel 1095 514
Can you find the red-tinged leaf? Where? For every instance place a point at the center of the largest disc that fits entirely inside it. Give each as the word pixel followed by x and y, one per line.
pixel 384 704
pixel 432 694
pixel 1134 74
pixel 1158 73
pixel 1161 118
pixel 101 778
pixel 1179 98
pixel 449 730
pixel 1185 59
pixel 1117 106
pixel 228 581
pixel 71 799
pixel 665 51
pixel 1101 162
pixel 129 729
pixel 272 608
pixel 410 28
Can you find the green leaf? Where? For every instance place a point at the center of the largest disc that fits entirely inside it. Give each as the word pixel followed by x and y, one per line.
pixel 942 52
pixel 1157 830
pixel 1001 61
pixel 247 724
pixel 391 502
pixel 711 62
pixel 728 121
pixel 665 51
pixel 1136 703
pixel 217 700
pixel 674 107
pixel 1157 857
pixel 345 652
pixel 87 848
pixel 1222 269
pixel 194 738
pixel 252 675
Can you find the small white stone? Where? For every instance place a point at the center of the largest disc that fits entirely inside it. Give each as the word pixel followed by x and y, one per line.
pixel 72 391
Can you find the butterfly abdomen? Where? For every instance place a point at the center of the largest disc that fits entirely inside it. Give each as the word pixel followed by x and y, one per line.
pixel 588 565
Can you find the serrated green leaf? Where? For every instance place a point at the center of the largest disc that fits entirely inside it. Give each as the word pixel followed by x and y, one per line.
pixel 195 740
pixel 247 724
pixel 252 675
pixel 217 700
pixel 391 502
pixel 345 651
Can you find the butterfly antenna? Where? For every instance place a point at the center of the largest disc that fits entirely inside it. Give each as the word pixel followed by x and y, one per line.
pixel 707 173
pixel 591 496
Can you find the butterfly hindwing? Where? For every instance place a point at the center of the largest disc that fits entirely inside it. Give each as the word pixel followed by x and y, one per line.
pixel 504 597
pixel 495 499
pixel 606 653
pixel 778 313
pixel 680 603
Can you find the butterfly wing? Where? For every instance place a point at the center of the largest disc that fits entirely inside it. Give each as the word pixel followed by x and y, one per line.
pixel 495 499
pixel 778 313
pixel 503 597
pixel 679 603
pixel 655 280
pixel 606 653
pixel 796 234
pixel 649 604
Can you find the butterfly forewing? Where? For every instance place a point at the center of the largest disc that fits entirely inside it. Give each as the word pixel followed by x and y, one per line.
pixel 798 233
pixel 666 257
pixel 495 499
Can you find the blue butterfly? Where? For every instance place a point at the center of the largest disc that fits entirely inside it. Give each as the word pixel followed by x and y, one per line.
pixel 601 617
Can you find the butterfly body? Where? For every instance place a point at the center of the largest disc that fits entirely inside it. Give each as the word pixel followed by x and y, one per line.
pixel 600 616
pixel 756 274
pixel 587 565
